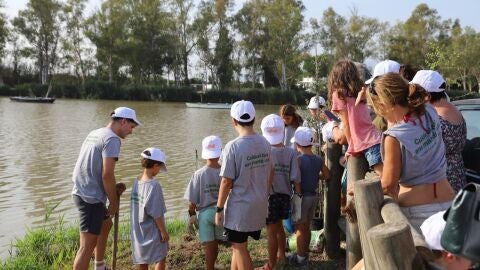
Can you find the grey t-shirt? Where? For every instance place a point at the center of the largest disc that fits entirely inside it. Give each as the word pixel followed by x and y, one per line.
pixel 202 190
pixel 146 205
pixel 87 174
pixel 423 151
pixel 285 166
pixel 246 160
pixel 289 133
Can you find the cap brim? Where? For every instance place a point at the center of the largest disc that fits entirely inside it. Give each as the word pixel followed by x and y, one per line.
pixel 274 139
pixel 163 167
pixel 209 154
pixel 137 122
pixel 369 81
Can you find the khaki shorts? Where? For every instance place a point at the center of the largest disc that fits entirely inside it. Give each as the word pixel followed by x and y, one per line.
pixel 308 209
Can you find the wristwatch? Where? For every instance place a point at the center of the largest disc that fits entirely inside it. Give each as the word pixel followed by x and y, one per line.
pixel 219 209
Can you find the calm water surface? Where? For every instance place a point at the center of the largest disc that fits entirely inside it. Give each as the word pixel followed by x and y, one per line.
pixel 39 144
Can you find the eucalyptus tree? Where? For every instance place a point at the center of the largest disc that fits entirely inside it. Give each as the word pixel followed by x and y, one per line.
pixel 151 42
pixel 4 31
pixel 40 24
pixel 214 42
pixel 182 16
pixel 408 42
pixel 283 46
pixel 76 52
pixel 250 26
pixel 108 30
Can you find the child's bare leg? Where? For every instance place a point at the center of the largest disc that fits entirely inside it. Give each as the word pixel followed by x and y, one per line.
pixel 160 265
pixel 143 267
pixel 211 252
pixel 281 242
pixel 242 256
pixel 378 168
pixel 301 233
pixel 272 244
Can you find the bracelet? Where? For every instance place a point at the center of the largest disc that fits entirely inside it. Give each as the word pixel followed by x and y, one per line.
pixel 192 213
pixel 219 209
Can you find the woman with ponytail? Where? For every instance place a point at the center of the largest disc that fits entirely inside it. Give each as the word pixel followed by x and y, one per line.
pixel 413 152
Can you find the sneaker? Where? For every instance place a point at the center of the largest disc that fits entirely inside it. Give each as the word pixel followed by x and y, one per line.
pixel 293 260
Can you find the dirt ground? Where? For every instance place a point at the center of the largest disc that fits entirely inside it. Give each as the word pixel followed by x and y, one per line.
pixel 187 254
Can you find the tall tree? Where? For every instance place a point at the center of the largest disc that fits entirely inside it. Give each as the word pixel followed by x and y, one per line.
pixel 107 29
pixel 76 52
pixel 408 42
pixel 40 24
pixel 283 46
pixel 4 31
pixel 182 12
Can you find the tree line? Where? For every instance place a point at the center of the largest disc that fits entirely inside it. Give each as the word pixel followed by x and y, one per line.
pixel 263 43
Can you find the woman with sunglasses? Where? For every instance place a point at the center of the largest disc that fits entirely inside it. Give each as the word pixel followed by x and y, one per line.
pixel 413 152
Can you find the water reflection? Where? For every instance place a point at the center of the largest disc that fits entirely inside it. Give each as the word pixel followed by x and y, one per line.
pixel 39 144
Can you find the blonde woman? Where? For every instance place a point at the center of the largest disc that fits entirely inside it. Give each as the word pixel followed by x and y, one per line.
pixel 413 152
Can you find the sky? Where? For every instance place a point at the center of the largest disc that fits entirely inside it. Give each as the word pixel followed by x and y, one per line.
pixel 384 10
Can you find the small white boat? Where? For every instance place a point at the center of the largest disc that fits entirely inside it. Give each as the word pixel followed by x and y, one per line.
pixel 208 105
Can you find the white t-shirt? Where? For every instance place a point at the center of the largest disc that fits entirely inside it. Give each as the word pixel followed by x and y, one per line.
pixel 146 205
pixel 202 190
pixel 246 160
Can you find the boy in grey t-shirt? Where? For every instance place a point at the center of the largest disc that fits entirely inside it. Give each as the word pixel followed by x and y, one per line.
pixel 202 194
pixel 244 188
pixel 149 236
pixel 285 172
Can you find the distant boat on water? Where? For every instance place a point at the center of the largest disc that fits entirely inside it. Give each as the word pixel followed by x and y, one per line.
pixel 208 105
pixel 33 99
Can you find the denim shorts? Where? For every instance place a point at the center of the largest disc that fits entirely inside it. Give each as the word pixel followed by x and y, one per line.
pixel 207 230
pixel 373 155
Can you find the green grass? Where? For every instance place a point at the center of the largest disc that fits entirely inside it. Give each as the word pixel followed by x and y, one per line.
pixel 54 246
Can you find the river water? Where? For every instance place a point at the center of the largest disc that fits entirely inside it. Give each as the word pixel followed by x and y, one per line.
pixel 39 144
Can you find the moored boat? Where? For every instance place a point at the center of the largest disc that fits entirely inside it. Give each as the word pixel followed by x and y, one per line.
pixel 33 99
pixel 208 105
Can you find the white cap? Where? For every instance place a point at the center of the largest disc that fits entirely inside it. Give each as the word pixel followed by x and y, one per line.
pixel 273 129
pixel 303 136
pixel 211 147
pixel 432 229
pixel 240 108
pixel 316 102
pixel 384 67
pixel 155 154
pixel 430 80
pixel 124 112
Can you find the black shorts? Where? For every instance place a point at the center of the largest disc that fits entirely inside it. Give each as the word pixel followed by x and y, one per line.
pixel 91 215
pixel 240 237
pixel 278 207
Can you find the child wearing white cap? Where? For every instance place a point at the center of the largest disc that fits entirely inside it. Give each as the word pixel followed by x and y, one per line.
pixel 312 168
pixel 285 172
pixel 148 232
pixel 314 119
pixel 243 191
pixel 202 194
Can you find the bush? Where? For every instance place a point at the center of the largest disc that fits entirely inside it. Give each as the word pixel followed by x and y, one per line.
pixel 461 94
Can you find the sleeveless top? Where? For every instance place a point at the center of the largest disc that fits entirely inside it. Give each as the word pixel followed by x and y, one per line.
pixel 422 148
pixel 454 137
pixel 310 168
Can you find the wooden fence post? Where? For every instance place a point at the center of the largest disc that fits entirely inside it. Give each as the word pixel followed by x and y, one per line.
pixel 368 200
pixel 332 204
pixel 357 167
pixel 392 245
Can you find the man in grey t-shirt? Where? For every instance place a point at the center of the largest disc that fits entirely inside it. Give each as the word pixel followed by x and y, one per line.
pixel 244 188
pixel 94 182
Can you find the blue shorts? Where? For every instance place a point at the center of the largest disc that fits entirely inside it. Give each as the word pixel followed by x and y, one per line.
pixel 373 155
pixel 206 222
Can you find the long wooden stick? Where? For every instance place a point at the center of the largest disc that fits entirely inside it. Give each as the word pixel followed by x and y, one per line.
pixel 115 238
